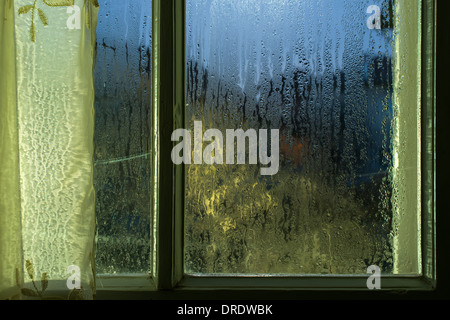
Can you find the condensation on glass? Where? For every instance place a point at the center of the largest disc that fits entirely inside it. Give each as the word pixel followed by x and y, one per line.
pixel 122 137
pixel 322 73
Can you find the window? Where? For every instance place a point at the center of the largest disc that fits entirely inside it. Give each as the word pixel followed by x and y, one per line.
pixel 348 88
pixel 266 147
pixel 323 78
pixel 123 139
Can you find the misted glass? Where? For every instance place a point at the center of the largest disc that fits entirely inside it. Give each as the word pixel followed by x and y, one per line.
pixel 123 137
pixel 320 72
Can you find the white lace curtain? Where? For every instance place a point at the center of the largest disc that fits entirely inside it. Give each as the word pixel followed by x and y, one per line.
pixel 47 217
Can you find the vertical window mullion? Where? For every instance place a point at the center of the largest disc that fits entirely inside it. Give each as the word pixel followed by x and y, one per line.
pixel 179 122
pixel 168 100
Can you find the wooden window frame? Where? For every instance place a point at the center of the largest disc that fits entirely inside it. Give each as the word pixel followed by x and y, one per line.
pixel 169 280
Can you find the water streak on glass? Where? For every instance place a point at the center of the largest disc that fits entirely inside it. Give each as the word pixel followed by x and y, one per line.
pixel 314 70
pixel 122 137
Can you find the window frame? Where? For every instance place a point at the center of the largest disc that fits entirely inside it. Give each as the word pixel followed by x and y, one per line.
pixel 169 280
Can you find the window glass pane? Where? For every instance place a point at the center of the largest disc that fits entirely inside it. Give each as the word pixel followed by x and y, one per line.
pixel 320 72
pixel 122 136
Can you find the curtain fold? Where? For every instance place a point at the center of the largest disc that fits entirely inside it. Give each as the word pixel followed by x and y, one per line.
pixel 10 237
pixel 54 116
